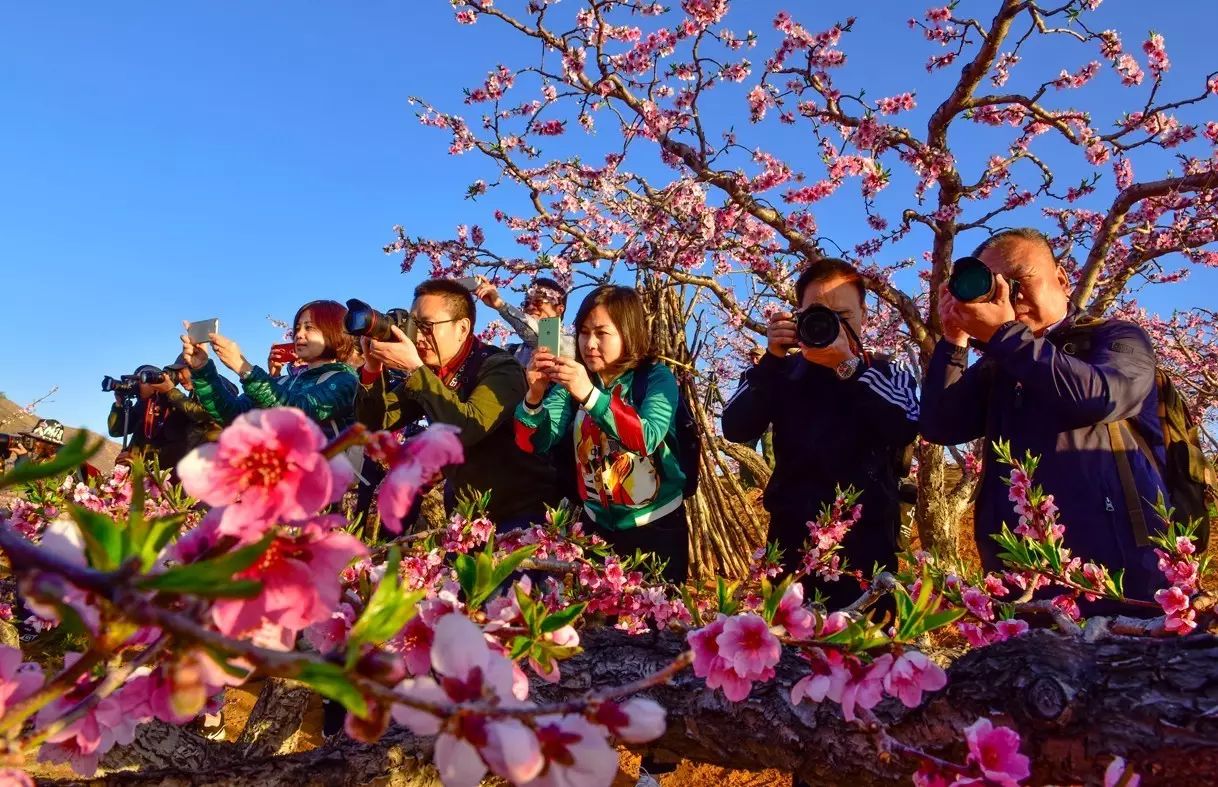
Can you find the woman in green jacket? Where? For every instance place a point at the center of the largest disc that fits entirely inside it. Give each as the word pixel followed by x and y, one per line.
pixel 324 389
pixel 628 473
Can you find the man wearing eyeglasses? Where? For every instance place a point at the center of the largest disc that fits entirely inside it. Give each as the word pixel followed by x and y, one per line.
pixel 544 298
pixel 451 377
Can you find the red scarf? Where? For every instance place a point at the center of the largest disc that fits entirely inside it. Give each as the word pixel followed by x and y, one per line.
pixel 447 370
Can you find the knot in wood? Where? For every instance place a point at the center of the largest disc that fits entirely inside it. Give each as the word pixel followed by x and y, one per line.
pixel 1045 698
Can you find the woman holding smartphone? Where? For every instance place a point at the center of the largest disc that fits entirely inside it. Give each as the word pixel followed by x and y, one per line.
pixel 324 389
pixel 628 473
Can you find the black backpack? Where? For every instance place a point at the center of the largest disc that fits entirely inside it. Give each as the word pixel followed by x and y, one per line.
pixel 687 441
pixel 1187 473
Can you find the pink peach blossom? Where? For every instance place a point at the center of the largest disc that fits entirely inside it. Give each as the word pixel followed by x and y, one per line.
pixel 299 575
pixel 996 751
pixel 18 679
pixel 266 468
pixel 911 674
pixel 411 466
pixel 749 647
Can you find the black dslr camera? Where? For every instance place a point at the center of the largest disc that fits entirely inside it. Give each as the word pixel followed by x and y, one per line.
pixel 129 384
pixel 817 326
pixel 972 281
pixel 363 320
pixel 7 441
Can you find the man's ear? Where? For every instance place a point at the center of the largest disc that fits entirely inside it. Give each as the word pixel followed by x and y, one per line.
pixel 1063 279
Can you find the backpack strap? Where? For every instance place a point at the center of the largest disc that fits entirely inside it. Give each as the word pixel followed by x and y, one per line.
pixel 1133 503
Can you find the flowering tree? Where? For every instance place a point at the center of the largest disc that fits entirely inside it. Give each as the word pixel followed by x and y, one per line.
pixel 437 646
pixel 675 189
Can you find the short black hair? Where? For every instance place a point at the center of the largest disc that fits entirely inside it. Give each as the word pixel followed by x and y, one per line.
pixel 1017 233
pixel 550 284
pixel 827 268
pixel 459 300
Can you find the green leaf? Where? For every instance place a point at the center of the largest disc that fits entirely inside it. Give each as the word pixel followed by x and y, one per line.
pixel 158 534
pixel 563 617
pixel 212 578
pixel 329 680
pixel 388 610
pixel 505 567
pixel 71 456
pixel 135 517
pixel 773 596
pixel 103 538
pixel 520 646
pixel 467 574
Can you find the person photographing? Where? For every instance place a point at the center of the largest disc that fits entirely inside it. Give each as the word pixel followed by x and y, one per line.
pixel 1079 394
pixel 628 472
pixel 446 375
pixel 840 416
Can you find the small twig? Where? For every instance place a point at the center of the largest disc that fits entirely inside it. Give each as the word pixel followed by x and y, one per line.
pixel 1046 607
pixel 881 585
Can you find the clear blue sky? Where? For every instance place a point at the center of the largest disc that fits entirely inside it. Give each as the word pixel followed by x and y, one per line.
pixel 161 161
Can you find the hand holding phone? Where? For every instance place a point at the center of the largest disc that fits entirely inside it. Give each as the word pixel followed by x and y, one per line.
pixel 200 331
pixel 548 331
pixel 283 353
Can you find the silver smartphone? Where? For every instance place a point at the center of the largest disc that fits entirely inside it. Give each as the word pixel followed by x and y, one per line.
pixel 469 282
pixel 199 332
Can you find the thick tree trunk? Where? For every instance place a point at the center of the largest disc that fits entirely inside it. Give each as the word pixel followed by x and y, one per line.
pixel 942 502
pixel 723 529
pixel 1075 703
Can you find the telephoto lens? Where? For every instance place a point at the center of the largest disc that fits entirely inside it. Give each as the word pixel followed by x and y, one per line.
pixel 363 320
pixel 817 326
pixel 150 376
pixel 971 281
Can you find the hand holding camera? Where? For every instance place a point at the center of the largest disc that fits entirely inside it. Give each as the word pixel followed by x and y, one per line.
pixel 977 302
pixel 398 352
pixel 780 334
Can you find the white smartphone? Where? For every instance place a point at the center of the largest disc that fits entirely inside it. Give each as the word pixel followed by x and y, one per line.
pixel 199 331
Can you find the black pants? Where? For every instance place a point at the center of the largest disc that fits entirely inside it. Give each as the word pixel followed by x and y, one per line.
pixel 667 537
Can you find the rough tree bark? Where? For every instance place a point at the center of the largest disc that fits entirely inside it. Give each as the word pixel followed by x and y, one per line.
pixel 723 530
pixel 1076 703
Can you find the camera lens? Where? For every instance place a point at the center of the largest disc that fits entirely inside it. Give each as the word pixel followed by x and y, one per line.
pixel 971 281
pixel 818 326
pixel 363 320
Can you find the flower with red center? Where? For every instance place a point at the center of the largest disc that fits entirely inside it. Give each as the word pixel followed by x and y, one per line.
pixel 299 573
pixel 748 645
pixel 996 751
pixel 267 467
pixel 575 752
pixel 911 674
pixel 797 620
pixel 468 744
pixel 638 720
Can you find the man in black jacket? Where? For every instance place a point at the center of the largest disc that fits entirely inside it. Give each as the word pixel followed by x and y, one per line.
pixel 840 417
pixel 156 428
pixel 1075 396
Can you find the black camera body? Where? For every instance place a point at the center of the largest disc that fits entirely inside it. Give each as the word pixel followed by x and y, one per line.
pixel 7 441
pixel 972 281
pixel 817 326
pixel 129 384
pixel 363 320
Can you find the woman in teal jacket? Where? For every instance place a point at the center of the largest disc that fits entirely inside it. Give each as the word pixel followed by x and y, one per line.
pixel 324 389
pixel 628 473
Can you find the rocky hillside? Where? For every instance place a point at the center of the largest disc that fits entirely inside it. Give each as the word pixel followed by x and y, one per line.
pixel 13 421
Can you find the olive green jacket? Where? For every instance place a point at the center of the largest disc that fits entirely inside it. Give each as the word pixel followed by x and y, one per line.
pixel 520 483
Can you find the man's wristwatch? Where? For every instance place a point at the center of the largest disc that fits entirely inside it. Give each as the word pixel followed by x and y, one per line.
pixel 846 369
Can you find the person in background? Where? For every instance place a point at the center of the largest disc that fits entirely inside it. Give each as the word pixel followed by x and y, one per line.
pixel 203 427
pixel 840 417
pixel 451 377
pixel 157 430
pixel 44 442
pixel 1065 396
pixel 544 298
pixel 630 477
pixel 324 390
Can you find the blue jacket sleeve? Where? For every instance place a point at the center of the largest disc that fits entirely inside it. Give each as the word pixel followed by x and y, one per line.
pixel 1111 385
pixel 954 397
pixel 747 414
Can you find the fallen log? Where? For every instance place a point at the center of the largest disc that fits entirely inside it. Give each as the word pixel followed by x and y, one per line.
pixel 1076 703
